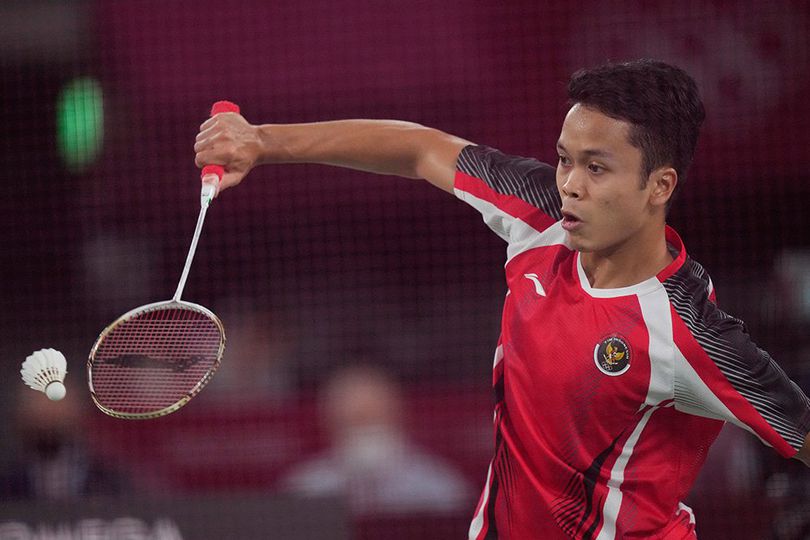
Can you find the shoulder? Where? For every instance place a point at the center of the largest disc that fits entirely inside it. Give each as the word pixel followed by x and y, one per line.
pixel 489 173
pixel 474 158
pixel 319 474
pixel 691 294
pixel 433 478
pixel 504 173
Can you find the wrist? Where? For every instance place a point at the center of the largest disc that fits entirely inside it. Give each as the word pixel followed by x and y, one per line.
pixel 262 137
pixel 274 145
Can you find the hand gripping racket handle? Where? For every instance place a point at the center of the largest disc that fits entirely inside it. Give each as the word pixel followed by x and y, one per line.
pixel 212 174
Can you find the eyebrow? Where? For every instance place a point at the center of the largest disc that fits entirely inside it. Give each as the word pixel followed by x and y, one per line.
pixel 589 152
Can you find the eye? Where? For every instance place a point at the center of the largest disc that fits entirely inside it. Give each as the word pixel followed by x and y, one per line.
pixel 596 169
pixel 564 161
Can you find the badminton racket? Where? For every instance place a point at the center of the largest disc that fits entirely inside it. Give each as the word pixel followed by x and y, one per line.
pixel 153 359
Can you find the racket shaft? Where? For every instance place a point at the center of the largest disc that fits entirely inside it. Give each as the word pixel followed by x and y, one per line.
pixel 191 251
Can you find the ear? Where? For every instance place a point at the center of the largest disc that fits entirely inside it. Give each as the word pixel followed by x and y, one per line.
pixel 662 184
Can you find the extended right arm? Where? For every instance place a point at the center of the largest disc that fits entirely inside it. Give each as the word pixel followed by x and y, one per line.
pixel 379 146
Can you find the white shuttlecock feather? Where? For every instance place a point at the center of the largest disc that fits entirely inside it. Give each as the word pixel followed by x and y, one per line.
pixel 44 370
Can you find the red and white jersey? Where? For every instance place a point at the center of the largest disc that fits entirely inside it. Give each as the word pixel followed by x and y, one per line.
pixel 607 400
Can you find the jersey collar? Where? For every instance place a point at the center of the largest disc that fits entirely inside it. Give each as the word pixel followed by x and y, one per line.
pixel 674 242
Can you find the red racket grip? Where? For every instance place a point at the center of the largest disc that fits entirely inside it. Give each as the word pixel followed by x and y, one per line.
pixel 217 108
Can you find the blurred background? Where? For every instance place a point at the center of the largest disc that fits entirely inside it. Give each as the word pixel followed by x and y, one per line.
pixel 361 312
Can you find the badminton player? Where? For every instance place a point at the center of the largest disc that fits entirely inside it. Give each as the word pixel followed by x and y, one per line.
pixel 614 370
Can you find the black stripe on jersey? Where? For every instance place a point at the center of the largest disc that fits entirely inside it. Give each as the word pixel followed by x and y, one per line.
pixel 573 510
pixel 526 178
pixel 504 471
pixel 506 477
pixel 750 370
pixel 590 478
pixel 566 509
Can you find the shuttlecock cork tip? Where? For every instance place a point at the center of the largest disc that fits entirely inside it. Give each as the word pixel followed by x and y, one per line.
pixel 55 391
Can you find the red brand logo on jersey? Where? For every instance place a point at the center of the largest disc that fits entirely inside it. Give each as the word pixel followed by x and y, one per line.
pixel 612 356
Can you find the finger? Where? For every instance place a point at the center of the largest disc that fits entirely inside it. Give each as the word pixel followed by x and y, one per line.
pixel 206 143
pixel 207 157
pixel 208 123
pixel 208 132
pixel 212 121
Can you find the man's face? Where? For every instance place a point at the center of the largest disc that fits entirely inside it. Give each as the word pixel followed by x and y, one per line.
pixel 599 180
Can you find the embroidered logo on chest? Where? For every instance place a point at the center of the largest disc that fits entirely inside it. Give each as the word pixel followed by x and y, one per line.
pixel 612 356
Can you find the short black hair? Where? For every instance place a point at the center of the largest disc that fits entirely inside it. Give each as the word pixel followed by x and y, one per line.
pixel 660 101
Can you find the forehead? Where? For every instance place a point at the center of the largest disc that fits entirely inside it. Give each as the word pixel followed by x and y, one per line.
pixel 585 128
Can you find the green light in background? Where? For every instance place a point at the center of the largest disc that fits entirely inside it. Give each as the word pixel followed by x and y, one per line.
pixel 80 122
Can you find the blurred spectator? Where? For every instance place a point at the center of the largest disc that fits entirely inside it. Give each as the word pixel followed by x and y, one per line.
pixel 52 462
pixel 371 461
pixel 257 352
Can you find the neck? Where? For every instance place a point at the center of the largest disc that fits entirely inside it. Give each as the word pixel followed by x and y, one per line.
pixel 633 261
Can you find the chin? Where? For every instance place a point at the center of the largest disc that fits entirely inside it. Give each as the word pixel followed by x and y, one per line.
pixel 578 243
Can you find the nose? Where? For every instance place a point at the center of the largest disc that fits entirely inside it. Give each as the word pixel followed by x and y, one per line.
pixel 571 184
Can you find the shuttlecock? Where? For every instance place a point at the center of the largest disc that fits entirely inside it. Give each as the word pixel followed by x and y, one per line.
pixel 45 371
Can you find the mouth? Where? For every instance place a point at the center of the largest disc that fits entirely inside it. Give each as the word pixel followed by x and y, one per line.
pixel 570 222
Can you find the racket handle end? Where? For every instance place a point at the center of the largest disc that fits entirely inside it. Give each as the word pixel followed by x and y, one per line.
pixel 224 107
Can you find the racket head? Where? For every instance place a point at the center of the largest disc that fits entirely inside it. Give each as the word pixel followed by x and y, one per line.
pixel 153 359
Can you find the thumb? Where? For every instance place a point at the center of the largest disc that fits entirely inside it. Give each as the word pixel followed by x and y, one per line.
pixel 230 179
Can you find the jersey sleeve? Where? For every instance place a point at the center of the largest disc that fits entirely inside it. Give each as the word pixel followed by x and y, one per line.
pixel 721 373
pixel 506 188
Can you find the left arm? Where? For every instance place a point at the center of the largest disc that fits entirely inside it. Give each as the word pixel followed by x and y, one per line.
pixel 721 373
